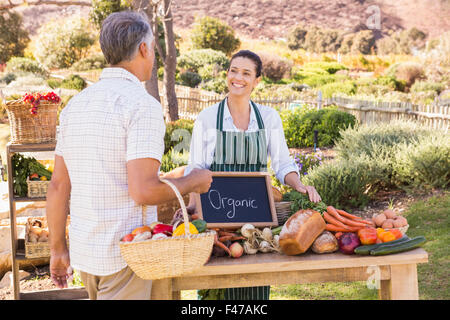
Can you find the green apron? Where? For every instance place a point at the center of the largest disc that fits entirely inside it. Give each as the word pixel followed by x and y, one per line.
pixel 239 152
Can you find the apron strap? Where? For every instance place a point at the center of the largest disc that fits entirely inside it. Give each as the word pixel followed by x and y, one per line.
pixel 219 123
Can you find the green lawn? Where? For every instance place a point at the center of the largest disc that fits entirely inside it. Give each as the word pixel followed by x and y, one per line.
pixel 429 218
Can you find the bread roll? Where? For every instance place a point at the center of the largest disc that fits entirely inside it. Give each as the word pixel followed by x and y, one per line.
pixel 277 195
pixel 325 243
pixel 300 231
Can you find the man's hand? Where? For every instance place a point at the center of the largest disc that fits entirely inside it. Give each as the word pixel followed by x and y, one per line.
pixel 60 269
pixel 203 179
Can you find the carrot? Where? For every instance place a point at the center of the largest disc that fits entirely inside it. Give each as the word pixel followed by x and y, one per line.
pixel 338 234
pixel 332 227
pixel 231 238
pixel 353 217
pixel 332 211
pixel 226 233
pixel 353 223
pixel 328 218
pixel 221 245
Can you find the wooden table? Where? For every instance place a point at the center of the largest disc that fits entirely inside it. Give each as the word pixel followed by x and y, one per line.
pixel 397 273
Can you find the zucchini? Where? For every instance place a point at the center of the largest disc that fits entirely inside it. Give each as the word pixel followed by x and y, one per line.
pixel 400 247
pixel 365 250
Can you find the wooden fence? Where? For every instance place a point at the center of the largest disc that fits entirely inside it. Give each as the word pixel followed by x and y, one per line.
pixel 192 101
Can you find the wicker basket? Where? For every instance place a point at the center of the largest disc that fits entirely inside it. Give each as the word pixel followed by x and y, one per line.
pixel 29 128
pixel 38 249
pixel 37 189
pixel 170 257
pixel 283 210
pixel 402 229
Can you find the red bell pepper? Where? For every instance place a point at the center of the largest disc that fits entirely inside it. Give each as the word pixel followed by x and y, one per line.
pixel 167 229
pixel 367 236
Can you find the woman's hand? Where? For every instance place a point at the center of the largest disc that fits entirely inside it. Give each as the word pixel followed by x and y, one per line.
pixel 311 192
pixel 178 215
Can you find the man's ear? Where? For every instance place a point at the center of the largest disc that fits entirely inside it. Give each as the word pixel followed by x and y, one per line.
pixel 143 49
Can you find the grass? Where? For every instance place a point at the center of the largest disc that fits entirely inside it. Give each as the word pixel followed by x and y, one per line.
pixel 430 218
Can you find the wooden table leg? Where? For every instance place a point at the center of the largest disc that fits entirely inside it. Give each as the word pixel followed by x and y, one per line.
pixel 403 284
pixel 162 289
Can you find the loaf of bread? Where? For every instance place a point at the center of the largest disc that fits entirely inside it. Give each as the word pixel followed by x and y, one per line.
pixel 300 231
pixel 277 195
pixel 326 242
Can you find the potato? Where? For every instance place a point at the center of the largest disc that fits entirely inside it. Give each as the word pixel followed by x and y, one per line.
pixel 388 224
pixel 400 222
pixel 32 237
pixel 390 214
pixel 379 220
pixel 36 230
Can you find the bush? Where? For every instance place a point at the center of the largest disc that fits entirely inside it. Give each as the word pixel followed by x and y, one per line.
pixel 322 40
pixel 296 38
pixel 172 160
pixel 59 44
pixel 346 87
pixel 212 33
pixel 26 65
pixel 345 183
pixel 94 62
pixel 363 42
pixel 420 86
pixel 103 8
pixel 190 79
pixel 72 82
pixel 410 72
pixel 329 67
pixel 425 163
pixel 194 60
pixel 172 137
pixel 8 78
pixel 217 85
pixel 299 126
pixel 321 80
pixel 13 39
pixel 274 67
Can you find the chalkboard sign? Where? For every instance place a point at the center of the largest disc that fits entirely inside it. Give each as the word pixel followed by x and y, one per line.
pixel 236 198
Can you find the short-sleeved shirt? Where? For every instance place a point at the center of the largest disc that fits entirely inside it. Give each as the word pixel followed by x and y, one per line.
pixel 107 124
pixel 203 142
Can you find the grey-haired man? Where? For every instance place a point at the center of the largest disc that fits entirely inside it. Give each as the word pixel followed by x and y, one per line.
pixel 107 158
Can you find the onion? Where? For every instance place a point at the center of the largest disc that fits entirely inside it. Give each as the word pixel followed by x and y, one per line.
pixel 267 234
pixel 348 242
pixel 248 249
pixel 247 230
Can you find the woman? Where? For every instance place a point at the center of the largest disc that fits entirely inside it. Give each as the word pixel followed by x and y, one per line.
pixel 239 135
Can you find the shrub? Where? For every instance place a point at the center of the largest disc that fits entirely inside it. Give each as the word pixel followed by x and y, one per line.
pixel 329 67
pixel 190 79
pixel 13 39
pixel 8 78
pixel 410 72
pixel 321 80
pixel 299 126
pixel 345 183
pixel 217 85
pixel 296 38
pixel 172 160
pixel 424 163
pixel 172 137
pixel 103 8
pixel 306 162
pixel 89 63
pixel 346 87
pixel 26 65
pixel 59 44
pixel 274 67
pixel 322 40
pixel 420 86
pixel 363 42
pixel 74 82
pixel 194 60
pixel 212 33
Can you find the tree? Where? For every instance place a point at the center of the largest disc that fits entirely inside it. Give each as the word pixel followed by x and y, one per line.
pixel 13 39
pixel 212 33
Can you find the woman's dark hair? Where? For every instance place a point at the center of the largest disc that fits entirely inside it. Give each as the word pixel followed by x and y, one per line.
pixel 252 56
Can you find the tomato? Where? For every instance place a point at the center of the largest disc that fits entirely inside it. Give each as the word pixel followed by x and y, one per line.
pixel 128 238
pixel 141 230
pixel 34 176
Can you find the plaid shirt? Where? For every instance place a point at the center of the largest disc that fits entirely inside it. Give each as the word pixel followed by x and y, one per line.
pixel 109 123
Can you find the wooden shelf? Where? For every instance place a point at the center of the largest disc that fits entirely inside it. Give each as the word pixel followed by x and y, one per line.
pixel 28 199
pixel 35 147
pixel 75 293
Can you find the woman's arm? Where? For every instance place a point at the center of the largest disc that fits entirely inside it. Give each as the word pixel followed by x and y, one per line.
pixel 292 179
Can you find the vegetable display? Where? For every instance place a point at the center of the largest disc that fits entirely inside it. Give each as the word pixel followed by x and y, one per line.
pixel 27 167
pixel 348 242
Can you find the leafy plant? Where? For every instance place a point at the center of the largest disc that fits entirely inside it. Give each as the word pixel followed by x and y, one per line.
pixel 212 33
pixel 300 201
pixel 26 65
pixel 13 38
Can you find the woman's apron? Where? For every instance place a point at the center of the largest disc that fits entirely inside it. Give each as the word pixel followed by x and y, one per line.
pixel 240 152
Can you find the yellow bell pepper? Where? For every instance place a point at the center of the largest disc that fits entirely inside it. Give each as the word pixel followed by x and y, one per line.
pixel 179 231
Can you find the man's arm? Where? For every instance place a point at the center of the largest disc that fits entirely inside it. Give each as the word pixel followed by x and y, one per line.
pixel 146 189
pixel 58 195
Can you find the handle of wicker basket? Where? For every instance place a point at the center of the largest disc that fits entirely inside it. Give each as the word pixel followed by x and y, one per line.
pixel 183 206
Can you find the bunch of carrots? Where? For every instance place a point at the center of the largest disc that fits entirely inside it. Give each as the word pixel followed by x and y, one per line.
pixel 341 221
pixel 222 236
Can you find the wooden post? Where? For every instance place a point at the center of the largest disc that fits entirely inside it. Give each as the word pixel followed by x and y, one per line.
pixel 403 284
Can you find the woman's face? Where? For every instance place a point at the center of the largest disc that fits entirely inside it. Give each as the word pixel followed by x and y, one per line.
pixel 241 77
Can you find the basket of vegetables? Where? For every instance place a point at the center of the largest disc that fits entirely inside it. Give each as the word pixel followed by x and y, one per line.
pixel 36 237
pixel 31 177
pixel 170 253
pixel 33 118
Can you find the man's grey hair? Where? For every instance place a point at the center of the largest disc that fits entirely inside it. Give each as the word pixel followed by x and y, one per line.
pixel 122 33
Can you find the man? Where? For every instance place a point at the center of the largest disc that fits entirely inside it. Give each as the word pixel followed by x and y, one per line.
pixel 107 158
